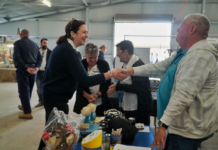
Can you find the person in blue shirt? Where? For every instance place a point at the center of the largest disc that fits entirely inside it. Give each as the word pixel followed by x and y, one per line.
pixel 187 104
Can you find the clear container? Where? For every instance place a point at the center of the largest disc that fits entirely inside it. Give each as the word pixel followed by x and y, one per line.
pixel 103 146
pixel 108 138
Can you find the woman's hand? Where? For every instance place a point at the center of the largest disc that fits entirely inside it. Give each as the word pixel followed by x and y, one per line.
pixel 115 74
pixel 95 97
pixel 112 89
pixel 119 74
pixel 90 98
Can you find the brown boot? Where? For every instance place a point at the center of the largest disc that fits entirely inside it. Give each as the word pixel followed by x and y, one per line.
pixel 26 116
pixel 20 107
pixel 39 104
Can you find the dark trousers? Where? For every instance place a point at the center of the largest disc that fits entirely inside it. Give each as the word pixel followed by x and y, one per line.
pixel 176 142
pixel 140 116
pixel 39 84
pixel 25 82
pixel 129 114
pixel 48 109
pixel 100 111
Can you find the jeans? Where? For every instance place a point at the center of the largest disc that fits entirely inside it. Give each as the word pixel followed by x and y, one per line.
pixel 48 109
pixel 39 84
pixel 177 142
pixel 25 82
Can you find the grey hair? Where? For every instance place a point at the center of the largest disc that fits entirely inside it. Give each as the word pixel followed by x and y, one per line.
pixel 91 49
pixel 201 21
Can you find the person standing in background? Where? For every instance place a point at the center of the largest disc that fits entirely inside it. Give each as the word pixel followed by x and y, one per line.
pixel 137 100
pixel 96 94
pixel 102 51
pixel 151 58
pixel 156 58
pixel 45 52
pixel 27 60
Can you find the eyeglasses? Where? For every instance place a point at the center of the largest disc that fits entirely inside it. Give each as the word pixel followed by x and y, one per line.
pixel 92 49
pixel 73 20
pixel 119 51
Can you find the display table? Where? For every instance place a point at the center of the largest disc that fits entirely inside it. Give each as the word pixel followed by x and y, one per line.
pixel 142 139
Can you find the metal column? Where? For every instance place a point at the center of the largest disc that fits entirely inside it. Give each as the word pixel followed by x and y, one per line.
pixel 203 7
pixel 87 22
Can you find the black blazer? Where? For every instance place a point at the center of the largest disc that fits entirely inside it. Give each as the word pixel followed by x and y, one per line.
pixel 63 73
pixel 81 101
pixel 141 87
pixel 48 54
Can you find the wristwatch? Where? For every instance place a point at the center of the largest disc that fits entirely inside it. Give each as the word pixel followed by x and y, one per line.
pixel 161 124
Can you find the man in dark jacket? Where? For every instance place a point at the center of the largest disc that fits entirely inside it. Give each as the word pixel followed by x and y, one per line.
pixel 136 90
pixel 27 60
pixel 101 52
pixel 45 51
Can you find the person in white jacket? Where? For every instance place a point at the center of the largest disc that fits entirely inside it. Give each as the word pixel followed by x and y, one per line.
pixel 187 102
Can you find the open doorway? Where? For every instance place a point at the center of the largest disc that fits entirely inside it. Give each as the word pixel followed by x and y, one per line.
pixel 145 36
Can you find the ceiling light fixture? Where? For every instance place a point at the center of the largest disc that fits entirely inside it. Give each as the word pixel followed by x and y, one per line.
pixel 46 2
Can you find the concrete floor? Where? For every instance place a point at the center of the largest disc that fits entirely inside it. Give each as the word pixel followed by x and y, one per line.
pixel 15 133
pixel 19 134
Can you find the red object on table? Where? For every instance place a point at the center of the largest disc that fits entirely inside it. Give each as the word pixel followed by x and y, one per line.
pixel 45 136
pixel 71 129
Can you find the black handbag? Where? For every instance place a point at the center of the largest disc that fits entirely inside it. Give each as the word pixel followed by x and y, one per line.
pixel 128 130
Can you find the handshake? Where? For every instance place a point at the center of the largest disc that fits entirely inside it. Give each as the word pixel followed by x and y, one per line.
pixel 119 74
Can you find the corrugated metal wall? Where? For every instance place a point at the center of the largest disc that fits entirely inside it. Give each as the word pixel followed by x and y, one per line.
pixel 101 22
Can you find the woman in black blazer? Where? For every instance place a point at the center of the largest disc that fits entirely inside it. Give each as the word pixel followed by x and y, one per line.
pixel 64 70
pixel 96 94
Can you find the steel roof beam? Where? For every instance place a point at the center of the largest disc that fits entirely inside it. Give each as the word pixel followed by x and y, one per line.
pixel 84 1
pixel 40 4
pixel 2 4
pixel 79 7
pixel 33 15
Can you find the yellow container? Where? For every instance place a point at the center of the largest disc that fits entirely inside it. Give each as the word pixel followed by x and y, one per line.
pixel 93 140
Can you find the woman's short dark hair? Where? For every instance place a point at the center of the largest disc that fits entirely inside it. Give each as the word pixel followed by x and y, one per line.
pixel 74 26
pixel 126 45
